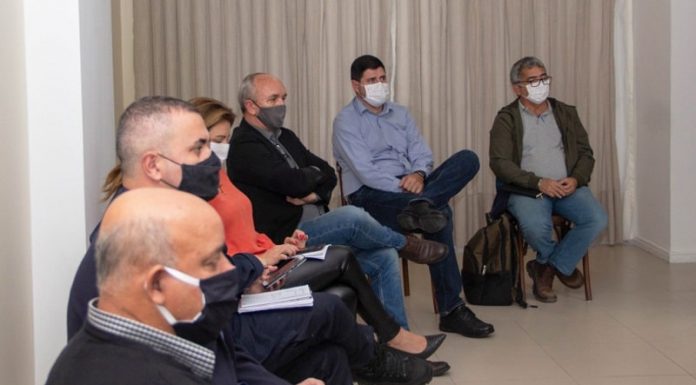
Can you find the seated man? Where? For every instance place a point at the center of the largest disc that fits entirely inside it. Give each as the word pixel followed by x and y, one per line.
pixel 162 142
pixel 539 143
pixel 289 187
pixel 339 265
pixel 155 259
pixel 388 171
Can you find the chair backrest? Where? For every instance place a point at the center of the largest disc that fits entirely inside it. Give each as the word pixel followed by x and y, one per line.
pixel 339 171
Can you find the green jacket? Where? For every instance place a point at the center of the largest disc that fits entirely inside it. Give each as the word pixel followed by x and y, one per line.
pixel 505 149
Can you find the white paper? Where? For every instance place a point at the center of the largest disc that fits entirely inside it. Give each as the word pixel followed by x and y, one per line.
pixel 319 254
pixel 293 297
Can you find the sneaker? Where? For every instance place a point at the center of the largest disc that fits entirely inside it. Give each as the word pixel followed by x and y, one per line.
pixel 463 321
pixel 392 367
pixel 439 368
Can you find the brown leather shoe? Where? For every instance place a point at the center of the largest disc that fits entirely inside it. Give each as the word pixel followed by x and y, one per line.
pixel 574 281
pixel 542 275
pixel 422 250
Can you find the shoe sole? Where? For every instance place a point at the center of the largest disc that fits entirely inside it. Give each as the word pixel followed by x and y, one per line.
pixel 426 224
pixel 450 330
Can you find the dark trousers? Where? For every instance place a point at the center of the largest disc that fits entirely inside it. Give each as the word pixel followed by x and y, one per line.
pixel 440 186
pixel 341 267
pixel 322 341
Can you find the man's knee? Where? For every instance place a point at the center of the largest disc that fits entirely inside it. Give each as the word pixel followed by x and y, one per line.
pixel 599 219
pixel 535 226
pixel 355 215
pixel 468 159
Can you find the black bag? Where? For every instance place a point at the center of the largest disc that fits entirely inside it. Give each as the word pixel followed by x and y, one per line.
pixel 490 265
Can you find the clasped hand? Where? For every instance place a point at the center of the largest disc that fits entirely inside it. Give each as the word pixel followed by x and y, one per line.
pixel 558 188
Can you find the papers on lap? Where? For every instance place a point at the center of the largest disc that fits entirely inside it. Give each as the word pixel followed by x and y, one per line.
pixel 314 252
pixel 300 296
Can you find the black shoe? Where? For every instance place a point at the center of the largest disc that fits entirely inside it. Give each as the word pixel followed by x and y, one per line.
pixel 439 367
pixel 392 367
pixel 463 321
pixel 432 343
pixel 422 216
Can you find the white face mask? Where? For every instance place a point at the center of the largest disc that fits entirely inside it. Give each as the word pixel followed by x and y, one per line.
pixel 538 94
pixel 221 150
pixel 376 94
pixel 183 277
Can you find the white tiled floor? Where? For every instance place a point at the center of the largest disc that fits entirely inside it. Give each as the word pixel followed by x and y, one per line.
pixel 640 329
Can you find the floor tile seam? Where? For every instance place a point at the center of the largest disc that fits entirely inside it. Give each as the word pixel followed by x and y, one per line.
pixel 547 354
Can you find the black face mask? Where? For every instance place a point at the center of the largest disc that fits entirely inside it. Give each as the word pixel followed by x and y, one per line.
pixel 200 179
pixel 221 293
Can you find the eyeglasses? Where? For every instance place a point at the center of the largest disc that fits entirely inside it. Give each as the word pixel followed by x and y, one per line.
pixel 536 82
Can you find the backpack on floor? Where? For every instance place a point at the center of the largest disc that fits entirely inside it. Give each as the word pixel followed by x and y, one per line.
pixel 490 265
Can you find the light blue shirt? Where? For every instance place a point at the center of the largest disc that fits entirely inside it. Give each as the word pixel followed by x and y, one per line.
pixel 375 150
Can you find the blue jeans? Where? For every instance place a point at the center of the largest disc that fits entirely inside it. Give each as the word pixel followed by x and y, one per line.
pixel 534 217
pixel 373 246
pixel 440 186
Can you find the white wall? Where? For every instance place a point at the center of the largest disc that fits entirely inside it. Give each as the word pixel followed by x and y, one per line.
pixel 665 78
pixel 16 346
pixel 683 131
pixel 652 77
pixel 57 132
pixel 97 102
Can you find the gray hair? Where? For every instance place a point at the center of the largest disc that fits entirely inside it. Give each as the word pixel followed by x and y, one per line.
pixel 247 90
pixel 144 126
pixel 523 64
pixel 131 246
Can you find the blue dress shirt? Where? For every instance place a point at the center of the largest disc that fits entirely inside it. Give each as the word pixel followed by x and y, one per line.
pixel 375 150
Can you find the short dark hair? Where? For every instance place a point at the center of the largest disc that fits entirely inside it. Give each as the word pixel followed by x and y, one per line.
pixel 145 123
pixel 362 64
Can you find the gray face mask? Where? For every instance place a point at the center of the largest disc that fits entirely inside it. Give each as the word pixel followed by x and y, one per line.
pixel 272 117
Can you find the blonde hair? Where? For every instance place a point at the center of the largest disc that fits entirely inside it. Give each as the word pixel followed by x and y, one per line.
pixel 213 111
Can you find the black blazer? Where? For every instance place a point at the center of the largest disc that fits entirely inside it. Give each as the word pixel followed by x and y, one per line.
pixel 261 172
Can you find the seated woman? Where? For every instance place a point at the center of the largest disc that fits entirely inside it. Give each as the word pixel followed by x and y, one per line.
pixel 339 266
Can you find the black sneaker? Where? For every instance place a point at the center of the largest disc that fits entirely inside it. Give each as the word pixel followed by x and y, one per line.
pixel 392 367
pixel 463 321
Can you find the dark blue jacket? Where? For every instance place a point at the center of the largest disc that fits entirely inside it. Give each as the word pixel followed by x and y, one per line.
pixel 233 364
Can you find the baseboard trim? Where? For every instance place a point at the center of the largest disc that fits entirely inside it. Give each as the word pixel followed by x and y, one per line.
pixel 662 253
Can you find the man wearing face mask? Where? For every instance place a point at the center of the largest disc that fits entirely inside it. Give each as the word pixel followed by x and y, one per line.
pixel 388 171
pixel 159 270
pixel 539 143
pixel 290 187
pixel 162 142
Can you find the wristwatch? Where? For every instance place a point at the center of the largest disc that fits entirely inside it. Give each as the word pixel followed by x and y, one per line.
pixel 421 173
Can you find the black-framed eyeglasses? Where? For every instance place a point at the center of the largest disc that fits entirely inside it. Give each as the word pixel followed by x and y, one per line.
pixel 536 82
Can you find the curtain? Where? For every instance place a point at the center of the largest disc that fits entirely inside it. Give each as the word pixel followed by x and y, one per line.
pixel 448 62
pixel 626 130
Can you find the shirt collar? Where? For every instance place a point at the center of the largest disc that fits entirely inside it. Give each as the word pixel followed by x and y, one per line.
pixel 362 108
pixel 199 359
pixel 544 114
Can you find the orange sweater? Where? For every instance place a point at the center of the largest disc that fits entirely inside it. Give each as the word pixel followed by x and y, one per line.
pixel 237 217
